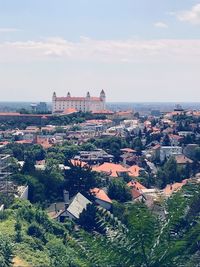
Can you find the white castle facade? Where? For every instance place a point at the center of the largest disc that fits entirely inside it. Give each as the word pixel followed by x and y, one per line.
pixel 88 103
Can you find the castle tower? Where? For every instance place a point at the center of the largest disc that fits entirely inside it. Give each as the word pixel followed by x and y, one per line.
pixel 87 103
pixel 54 96
pixel 53 102
pixel 88 95
pixel 103 99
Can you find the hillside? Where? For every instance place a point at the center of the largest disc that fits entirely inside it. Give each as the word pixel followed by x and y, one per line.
pixel 141 238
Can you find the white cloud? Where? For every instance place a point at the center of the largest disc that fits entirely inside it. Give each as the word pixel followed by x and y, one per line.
pixel 192 16
pixel 6 30
pixel 160 24
pixel 87 49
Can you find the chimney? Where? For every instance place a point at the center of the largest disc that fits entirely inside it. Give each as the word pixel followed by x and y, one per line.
pixel 66 196
pixel 55 207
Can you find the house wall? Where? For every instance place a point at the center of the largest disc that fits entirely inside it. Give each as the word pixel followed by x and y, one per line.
pixel 24 195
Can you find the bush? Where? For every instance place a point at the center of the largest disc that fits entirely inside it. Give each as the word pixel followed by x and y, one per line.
pixel 37 231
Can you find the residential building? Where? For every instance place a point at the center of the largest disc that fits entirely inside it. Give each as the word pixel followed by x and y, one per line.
pixel 94 157
pixel 101 198
pixel 111 169
pixel 71 210
pixel 168 151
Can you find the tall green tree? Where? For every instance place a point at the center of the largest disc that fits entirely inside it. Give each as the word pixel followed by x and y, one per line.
pixel 119 191
pixel 78 178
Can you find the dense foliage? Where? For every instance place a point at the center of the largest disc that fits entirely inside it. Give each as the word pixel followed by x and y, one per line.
pixel 139 238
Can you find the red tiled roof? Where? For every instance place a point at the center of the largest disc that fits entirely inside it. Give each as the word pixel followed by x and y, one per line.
pixel 107 112
pixel 100 194
pixel 70 98
pixel 44 142
pixel 4 143
pixel 134 170
pixel 78 162
pixel 69 111
pixel 136 185
pixel 13 114
pixel 9 114
pixel 171 188
pixel 95 99
pixel 77 98
pixel 24 142
pixel 135 193
pixel 156 147
pixel 175 136
pixel 111 169
pixel 181 159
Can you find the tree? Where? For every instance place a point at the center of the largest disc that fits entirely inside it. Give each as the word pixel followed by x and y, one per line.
pixel 144 239
pixel 137 144
pixel 78 178
pixel 36 230
pixel 87 219
pixel 29 166
pixel 169 173
pixel 119 191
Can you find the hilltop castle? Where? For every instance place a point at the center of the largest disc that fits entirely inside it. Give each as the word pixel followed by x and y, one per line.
pixel 88 103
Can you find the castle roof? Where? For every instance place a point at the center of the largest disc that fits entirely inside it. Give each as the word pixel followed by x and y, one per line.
pixel 74 98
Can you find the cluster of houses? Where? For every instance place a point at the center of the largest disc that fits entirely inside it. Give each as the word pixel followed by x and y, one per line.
pixel 161 138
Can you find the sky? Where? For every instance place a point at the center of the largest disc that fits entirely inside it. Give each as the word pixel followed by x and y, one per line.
pixel 136 50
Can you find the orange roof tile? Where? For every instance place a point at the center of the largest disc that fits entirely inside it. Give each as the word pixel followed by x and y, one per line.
pixel 135 193
pixel 69 111
pixel 182 159
pixel 24 142
pixel 175 136
pixel 111 169
pixel 4 143
pixel 70 98
pixel 171 188
pixel 134 170
pixel 100 194
pixel 77 162
pixel 44 142
pixel 136 185
pixel 107 112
